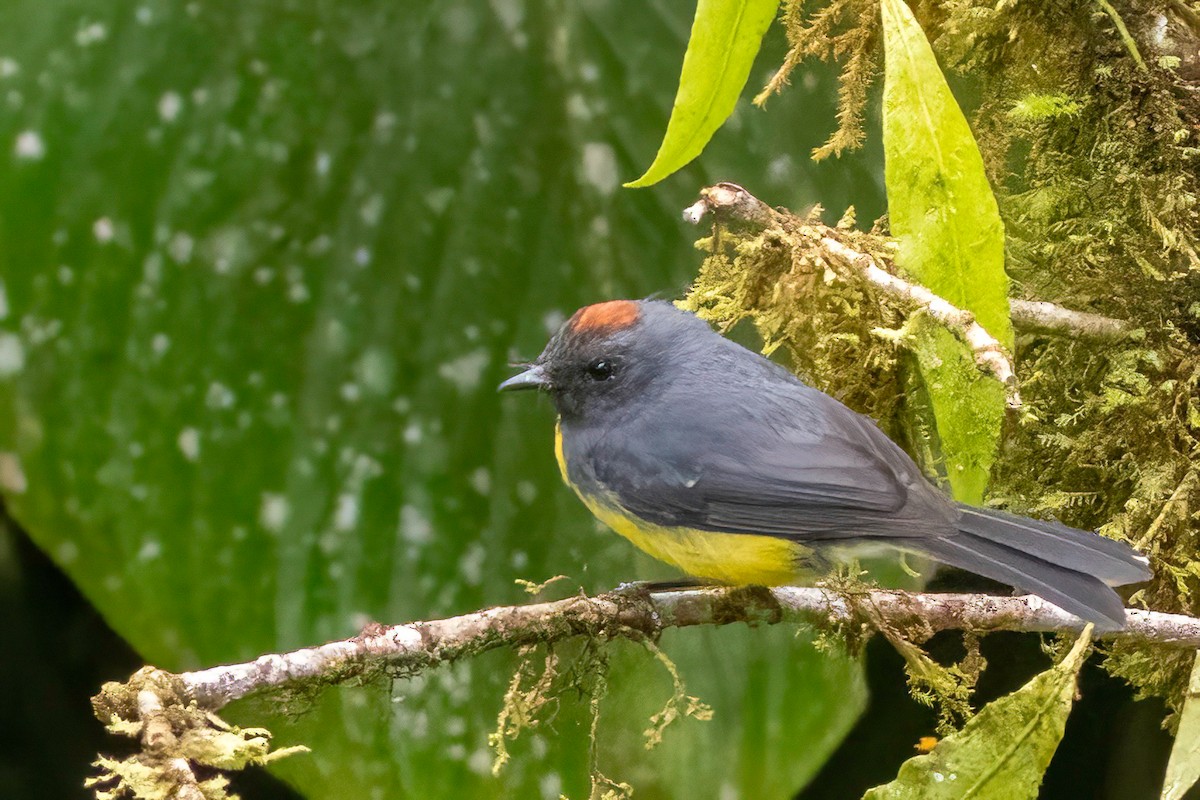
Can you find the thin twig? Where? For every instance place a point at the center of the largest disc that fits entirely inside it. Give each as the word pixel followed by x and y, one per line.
pixel 1038 315
pixel 1123 32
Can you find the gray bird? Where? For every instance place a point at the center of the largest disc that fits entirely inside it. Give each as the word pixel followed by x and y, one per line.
pixel 712 458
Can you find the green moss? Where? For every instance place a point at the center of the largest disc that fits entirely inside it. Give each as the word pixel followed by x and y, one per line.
pixel 182 744
pixel 805 304
pixel 1095 161
pixel 1041 107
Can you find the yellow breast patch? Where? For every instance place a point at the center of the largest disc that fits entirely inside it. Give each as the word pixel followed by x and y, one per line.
pixel 729 558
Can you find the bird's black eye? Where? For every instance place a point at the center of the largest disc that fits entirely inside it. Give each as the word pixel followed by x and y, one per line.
pixel 600 370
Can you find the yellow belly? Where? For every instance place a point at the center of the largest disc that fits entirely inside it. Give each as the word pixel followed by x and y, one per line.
pixel 731 558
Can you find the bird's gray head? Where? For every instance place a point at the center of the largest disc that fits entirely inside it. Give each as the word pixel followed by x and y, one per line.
pixel 609 353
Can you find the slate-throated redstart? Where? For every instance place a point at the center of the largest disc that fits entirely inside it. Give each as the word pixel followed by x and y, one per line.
pixel 711 457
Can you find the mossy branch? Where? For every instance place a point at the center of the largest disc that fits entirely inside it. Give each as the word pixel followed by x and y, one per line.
pixel 415 647
pixel 870 255
pixel 171 715
pixel 728 202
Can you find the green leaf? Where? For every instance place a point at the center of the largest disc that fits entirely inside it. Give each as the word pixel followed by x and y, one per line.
pixel 1183 770
pixel 951 238
pixel 726 35
pixel 967 405
pixel 1003 751
pixel 256 302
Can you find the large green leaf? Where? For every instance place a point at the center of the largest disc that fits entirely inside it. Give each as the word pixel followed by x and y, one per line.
pixel 1183 770
pixel 726 36
pixel 942 210
pixel 263 264
pixel 1002 753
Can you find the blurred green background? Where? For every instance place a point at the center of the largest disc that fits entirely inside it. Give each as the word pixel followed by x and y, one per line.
pixel 263 264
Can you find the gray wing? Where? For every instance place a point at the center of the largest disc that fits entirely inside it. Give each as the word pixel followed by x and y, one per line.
pixel 804 467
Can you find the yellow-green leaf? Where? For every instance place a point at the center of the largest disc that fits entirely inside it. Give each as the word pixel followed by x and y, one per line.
pixel 951 238
pixel 1183 770
pixel 1003 751
pixel 967 405
pixel 726 35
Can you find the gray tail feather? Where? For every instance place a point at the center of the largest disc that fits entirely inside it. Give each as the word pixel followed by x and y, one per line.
pixel 1071 568
pixel 1113 562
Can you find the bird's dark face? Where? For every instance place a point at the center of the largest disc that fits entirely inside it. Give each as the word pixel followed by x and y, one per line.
pixel 606 355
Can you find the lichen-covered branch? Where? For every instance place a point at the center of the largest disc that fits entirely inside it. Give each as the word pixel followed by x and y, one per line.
pixel 416 646
pixel 870 259
pixel 728 202
pixel 1038 315
pixel 171 715
pixel 990 355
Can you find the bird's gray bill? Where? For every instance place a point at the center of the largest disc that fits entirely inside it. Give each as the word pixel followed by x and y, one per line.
pixel 532 378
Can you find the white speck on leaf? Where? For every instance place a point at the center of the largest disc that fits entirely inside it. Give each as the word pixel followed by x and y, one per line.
pixel 67 551
pixel 372 209
pixel 471 564
pixel 189 444
pixel 150 550
pixel 160 343
pixel 439 199
pixel 466 371
pixel 298 292
pixel 152 268
pixel 345 516
pixel 181 247
pixel 415 527
pixel 219 396
pixel 12 355
pixel 481 480
pixel 550 785
pixel 29 146
pixel 12 476
pixel 90 34
pixel 600 167
pixel 480 761
pixel 552 320
pixel 413 433
pixel 526 492
pixel 273 511
pixel 169 106
pixel 103 230
pixel 374 371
